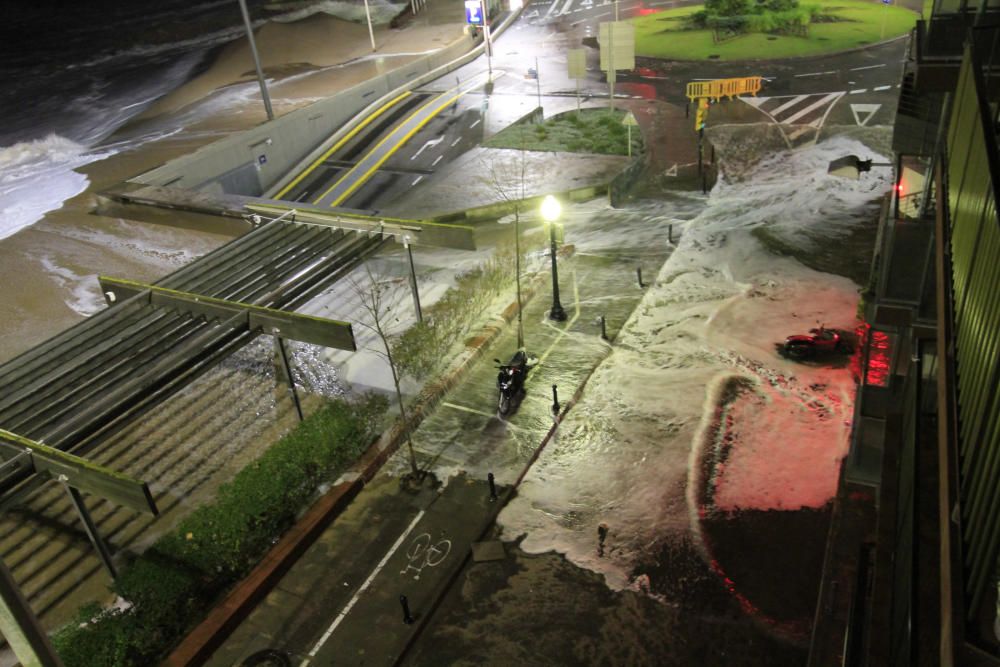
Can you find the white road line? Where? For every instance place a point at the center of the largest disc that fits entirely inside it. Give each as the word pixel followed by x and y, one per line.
pixel 456 141
pixel 552 8
pixel 416 180
pixel 378 568
pixel 566 6
pixel 436 160
pixel 478 120
pixel 811 107
pixel 817 74
pixel 881 88
pixel 481 413
pixel 859 90
pixel 789 104
pixel 857 69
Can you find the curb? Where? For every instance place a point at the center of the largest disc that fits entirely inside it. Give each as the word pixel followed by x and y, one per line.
pixel 754 61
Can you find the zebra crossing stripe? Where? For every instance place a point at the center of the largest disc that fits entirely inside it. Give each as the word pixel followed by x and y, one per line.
pixel 789 104
pixel 812 107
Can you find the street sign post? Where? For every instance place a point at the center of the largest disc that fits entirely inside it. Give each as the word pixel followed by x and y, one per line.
pixel 617 42
pixel 576 62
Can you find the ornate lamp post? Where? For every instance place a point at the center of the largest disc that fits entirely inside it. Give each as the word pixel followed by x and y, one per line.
pixel 550 213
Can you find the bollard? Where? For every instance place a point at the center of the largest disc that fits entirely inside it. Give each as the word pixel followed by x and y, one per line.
pixel 602 534
pixel 604 329
pixel 406 610
pixel 638 275
pixel 493 487
pixel 687 109
pixel 670 233
pixel 555 400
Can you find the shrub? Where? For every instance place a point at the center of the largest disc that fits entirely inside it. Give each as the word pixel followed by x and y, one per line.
pixel 177 578
pixel 421 349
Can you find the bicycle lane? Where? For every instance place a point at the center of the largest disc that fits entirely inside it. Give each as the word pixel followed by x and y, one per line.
pixel 369 627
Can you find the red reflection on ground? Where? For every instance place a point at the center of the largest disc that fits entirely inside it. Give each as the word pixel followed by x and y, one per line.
pixel 877 373
pixel 646 91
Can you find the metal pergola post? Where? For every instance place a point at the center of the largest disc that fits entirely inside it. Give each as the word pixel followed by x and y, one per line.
pixel 91 528
pixel 21 628
pixel 288 374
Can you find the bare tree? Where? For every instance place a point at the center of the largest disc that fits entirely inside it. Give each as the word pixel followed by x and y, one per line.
pixel 507 181
pixel 381 301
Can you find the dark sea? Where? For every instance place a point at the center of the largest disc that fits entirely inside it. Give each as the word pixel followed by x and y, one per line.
pixel 75 72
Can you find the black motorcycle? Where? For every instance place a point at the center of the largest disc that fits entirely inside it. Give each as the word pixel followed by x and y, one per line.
pixel 510 380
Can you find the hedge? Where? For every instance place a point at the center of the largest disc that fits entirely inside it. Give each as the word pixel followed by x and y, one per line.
pixel 173 583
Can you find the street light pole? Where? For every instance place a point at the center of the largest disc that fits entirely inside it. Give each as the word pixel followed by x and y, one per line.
pixel 517 279
pixel 487 41
pixel 550 212
pixel 256 60
pixel 371 33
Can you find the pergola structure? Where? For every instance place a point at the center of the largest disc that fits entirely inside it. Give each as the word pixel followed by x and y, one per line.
pixel 64 396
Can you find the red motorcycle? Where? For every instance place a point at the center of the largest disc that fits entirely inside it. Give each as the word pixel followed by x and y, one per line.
pixel 817 341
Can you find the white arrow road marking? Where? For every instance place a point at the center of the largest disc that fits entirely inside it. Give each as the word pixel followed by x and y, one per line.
pixel 430 143
pixel 864 112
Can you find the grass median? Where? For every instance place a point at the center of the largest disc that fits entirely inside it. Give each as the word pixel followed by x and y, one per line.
pixel 851 24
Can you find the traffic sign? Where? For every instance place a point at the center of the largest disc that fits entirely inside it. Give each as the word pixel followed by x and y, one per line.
pixel 617 40
pixel 629 120
pixel 473 12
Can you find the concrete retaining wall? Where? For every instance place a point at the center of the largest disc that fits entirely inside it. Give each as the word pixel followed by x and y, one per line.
pixel 260 160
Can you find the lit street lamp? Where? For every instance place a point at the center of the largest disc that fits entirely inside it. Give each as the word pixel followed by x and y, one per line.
pixel 550 213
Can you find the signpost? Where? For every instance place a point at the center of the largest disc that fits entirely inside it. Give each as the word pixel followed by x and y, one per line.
pixel 629 122
pixel 617 42
pixel 885 9
pixel 475 14
pixel 576 61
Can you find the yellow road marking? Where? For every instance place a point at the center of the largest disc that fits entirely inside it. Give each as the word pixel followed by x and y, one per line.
pixel 409 135
pixel 343 140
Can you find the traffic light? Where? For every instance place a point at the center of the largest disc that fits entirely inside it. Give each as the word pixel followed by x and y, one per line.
pixel 701 115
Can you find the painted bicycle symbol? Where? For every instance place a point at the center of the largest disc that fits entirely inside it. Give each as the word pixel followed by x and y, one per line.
pixel 423 554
